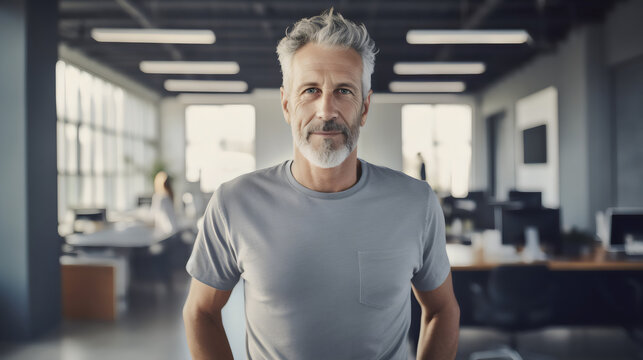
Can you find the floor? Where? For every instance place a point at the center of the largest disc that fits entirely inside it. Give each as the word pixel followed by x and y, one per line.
pixel 556 343
pixel 152 328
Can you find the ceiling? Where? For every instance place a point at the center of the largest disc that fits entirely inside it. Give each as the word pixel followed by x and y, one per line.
pixel 248 31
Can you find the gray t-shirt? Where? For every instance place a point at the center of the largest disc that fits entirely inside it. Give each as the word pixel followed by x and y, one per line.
pixel 326 275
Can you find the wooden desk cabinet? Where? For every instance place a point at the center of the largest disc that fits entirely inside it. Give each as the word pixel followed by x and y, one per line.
pixel 89 292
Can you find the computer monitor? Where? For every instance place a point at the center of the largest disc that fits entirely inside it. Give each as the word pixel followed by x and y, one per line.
pixel 90 214
pixel 85 220
pixel 477 196
pixel 475 207
pixel 623 222
pixel 144 201
pixel 547 221
pixel 462 207
pixel 482 214
pixel 528 199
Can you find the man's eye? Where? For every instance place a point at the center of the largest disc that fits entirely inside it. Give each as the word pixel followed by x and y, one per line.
pixel 310 91
pixel 345 91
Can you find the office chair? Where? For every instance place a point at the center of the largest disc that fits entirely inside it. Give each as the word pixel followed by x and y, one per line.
pixel 516 298
pixel 623 297
pixel 528 199
pixel 154 263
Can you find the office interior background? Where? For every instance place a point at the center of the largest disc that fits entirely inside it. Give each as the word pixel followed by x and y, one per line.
pixel 526 114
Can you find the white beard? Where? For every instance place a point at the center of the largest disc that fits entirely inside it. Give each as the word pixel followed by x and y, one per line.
pixel 326 157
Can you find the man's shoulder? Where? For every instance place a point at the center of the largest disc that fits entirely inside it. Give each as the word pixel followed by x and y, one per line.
pixel 252 181
pixel 386 176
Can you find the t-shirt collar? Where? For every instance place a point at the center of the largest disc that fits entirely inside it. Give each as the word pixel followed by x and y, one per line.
pixel 287 172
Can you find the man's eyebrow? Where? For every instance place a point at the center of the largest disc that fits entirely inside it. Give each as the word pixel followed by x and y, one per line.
pixel 347 85
pixel 308 84
pixel 340 85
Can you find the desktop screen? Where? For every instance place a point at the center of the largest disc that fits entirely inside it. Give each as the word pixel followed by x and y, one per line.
pixel 528 199
pixel 623 223
pixel 547 221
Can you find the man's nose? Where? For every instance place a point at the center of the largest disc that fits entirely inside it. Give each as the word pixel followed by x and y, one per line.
pixel 327 108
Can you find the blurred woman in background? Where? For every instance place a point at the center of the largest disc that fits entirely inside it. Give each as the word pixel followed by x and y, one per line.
pixel 162 208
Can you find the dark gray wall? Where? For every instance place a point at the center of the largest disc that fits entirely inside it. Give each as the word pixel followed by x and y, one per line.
pixel 623 29
pixel 30 246
pixel 567 69
pixel 597 164
pixel 599 137
pixel 13 192
pixel 628 127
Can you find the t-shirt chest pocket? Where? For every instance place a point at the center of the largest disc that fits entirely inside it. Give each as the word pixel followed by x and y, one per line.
pixel 384 277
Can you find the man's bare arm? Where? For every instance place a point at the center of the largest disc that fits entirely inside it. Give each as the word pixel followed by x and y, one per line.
pixel 203 326
pixel 440 322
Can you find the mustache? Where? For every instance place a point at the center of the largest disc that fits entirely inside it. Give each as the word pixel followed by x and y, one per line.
pixel 331 125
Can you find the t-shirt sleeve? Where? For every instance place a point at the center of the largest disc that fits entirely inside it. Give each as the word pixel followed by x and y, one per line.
pixel 434 267
pixel 213 260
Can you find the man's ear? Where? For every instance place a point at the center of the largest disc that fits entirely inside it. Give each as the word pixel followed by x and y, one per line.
pixel 365 106
pixel 284 104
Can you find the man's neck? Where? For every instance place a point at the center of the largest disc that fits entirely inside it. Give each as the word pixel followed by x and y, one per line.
pixel 329 180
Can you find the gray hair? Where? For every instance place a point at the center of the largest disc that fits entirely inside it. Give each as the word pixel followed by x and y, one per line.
pixel 330 29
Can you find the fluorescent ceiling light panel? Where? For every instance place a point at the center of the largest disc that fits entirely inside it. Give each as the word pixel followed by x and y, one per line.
pixel 205 86
pixel 427 86
pixel 160 36
pixel 432 68
pixel 189 67
pixel 467 36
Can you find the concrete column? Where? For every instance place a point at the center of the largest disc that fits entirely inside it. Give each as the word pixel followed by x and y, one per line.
pixel 29 241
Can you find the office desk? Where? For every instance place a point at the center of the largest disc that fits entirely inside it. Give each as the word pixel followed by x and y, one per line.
pixel 119 235
pixel 597 289
pixel 465 258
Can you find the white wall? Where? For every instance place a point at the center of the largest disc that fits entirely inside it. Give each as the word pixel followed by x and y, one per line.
pixel 537 109
pixel 273 143
pixel 171 143
pixel 273 140
pixel 380 139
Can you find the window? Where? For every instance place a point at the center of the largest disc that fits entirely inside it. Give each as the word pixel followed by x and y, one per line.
pixel 442 134
pixel 106 143
pixel 220 143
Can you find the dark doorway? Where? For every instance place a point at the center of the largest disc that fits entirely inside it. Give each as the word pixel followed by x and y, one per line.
pixel 492 150
pixel 628 131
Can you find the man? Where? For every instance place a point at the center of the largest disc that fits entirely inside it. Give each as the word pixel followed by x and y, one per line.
pixel 328 245
pixel 422 167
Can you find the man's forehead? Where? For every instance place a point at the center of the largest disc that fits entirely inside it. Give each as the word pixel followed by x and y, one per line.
pixel 314 75
pixel 315 60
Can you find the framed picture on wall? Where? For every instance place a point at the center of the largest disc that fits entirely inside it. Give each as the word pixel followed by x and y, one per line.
pixel 536 145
